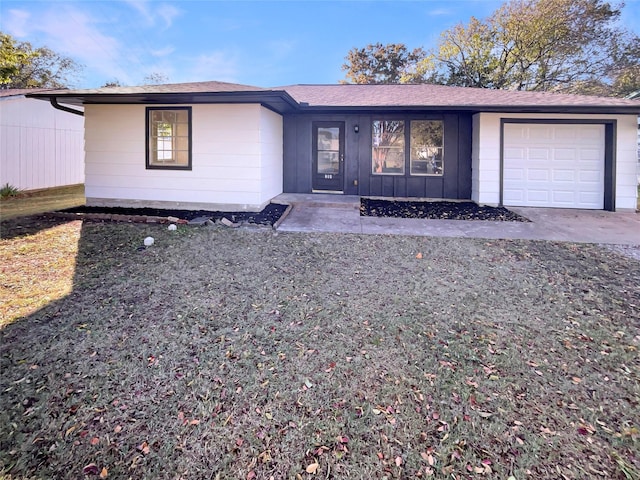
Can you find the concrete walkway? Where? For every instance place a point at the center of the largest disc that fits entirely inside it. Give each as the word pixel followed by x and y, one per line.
pixel 340 214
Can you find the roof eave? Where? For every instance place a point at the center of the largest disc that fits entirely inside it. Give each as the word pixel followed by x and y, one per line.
pixel 277 100
pixel 281 101
pixel 556 109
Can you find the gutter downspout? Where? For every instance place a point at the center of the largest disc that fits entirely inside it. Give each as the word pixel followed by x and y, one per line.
pixel 55 104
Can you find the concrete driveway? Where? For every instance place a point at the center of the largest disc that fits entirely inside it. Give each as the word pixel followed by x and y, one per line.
pixel 340 213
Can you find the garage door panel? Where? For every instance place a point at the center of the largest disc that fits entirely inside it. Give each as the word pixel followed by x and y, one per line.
pixel 537 196
pixel 591 131
pixel 514 174
pixel 516 153
pixel 589 177
pixel 566 197
pixel 537 154
pixel 587 198
pixel 553 165
pixel 563 176
pixel 537 175
pixel 565 154
pixel 514 196
pixel 536 134
pixel 564 133
pixel 590 155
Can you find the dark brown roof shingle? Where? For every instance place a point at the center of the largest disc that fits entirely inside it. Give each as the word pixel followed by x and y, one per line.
pixel 429 95
pixel 353 97
pixel 15 92
pixel 170 88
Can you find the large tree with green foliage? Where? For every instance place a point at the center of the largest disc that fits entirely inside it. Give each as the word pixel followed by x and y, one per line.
pixel 566 45
pixel 10 58
pixel 549 45
pixel 23 66
pixel 378 63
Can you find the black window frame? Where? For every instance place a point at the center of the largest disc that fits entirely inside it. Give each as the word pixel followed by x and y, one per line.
pixel 148 150
pixel 386 118
pixel 412 173
pixel 407 119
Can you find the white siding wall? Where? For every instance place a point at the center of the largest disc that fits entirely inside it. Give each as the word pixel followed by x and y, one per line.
pixel 486 155
pixel 271 150
pixel 236 159
pixel 40 147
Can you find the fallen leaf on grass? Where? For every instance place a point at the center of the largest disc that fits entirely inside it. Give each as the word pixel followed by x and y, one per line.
pixel 144 448
pixel 419 255
pixel 95 441
pixel 265 457
pixel 398 461
pixel 104 472
pixel 313 468
pixel 428 458
pixel 118 429
pixel 331 366
pixel 471 383
pixel 91 469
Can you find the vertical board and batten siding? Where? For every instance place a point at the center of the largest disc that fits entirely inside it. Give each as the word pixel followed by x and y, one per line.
pixel 358 178
pixel 486 163
pixel 40 147
pixel 236 159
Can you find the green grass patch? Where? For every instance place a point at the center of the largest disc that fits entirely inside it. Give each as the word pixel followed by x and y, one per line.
pixel 7 191
pixel 240 353
pixel 24 203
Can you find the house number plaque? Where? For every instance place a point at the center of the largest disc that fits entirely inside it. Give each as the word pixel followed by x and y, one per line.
pixel 328 177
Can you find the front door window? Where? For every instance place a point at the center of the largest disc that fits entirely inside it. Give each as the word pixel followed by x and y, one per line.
pixel 328 156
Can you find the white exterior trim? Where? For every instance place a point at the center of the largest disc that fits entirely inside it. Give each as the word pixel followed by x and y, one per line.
pixel 236 159
pixel 486 154
pixel 40 146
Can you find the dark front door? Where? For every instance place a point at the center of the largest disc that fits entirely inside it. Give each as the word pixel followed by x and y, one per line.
pixel 328 156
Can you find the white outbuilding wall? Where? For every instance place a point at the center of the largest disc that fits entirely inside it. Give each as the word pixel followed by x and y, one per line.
pixel 236 159
pixel 40 146
pixel 486 154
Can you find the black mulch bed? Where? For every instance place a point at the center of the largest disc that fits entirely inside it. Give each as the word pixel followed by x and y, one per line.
pixel 436 210
pixel 268 216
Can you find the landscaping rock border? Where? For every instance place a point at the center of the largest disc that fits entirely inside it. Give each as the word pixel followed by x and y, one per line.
pixel 438 210
pixel 269 215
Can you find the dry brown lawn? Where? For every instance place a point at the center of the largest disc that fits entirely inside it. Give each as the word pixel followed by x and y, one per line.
pixel 241 353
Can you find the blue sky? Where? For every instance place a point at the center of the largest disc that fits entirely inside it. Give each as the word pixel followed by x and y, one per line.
pixel 263 43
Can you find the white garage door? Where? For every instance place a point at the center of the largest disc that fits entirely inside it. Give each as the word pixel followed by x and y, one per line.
pixel 553 165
